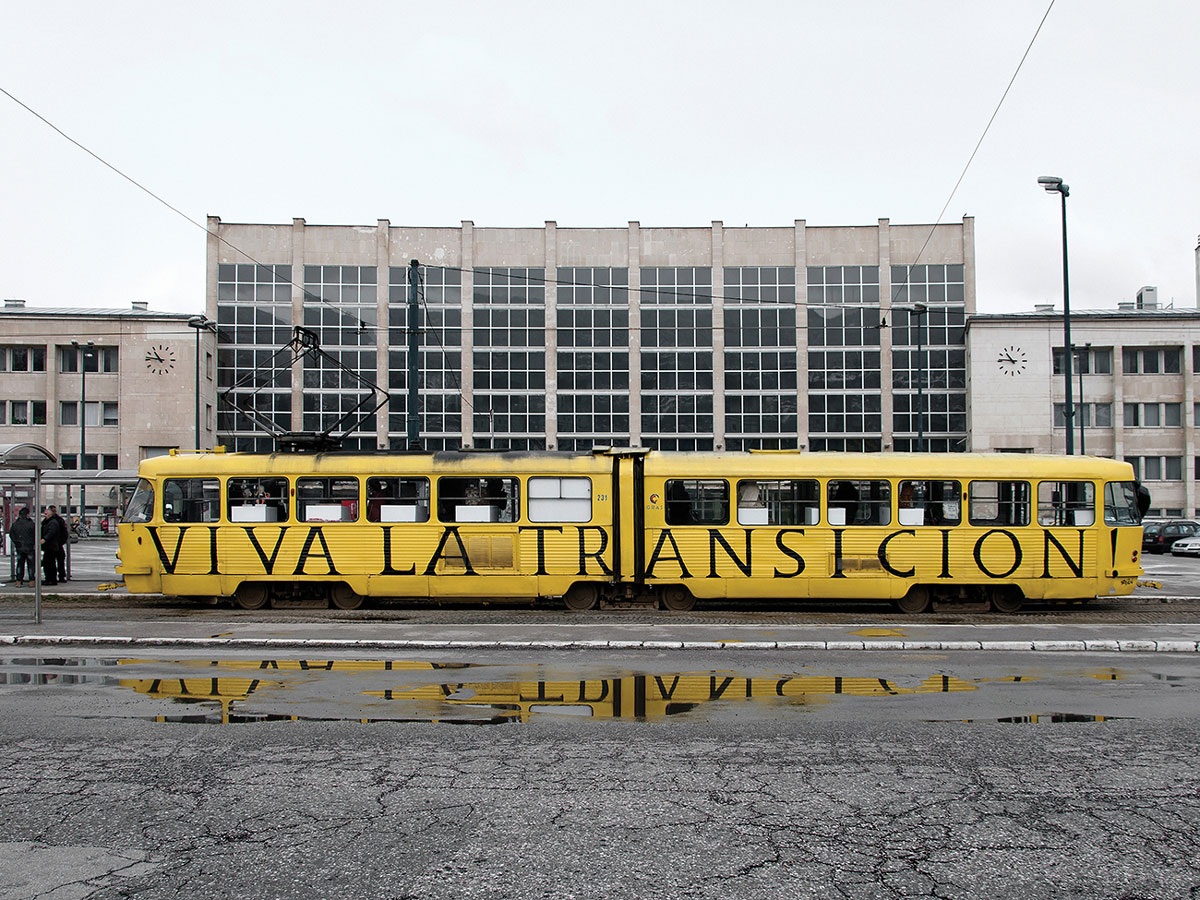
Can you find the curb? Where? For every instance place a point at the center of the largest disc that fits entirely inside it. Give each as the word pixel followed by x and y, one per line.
pixel 1092 646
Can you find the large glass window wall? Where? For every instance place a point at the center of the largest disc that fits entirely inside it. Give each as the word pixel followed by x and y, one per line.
pixel 509 358
pixel 593 357
pixel 941 364
pixel 439 357
pixel 845 391
pixel 677 358
pixel 254 320
pixel 340 306
pixel 760 358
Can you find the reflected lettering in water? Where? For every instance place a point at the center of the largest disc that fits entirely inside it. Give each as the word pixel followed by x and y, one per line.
pixel 247 691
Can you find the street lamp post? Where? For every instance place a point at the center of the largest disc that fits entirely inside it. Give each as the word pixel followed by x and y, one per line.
pixel 1054 185
pixel 200 323
pixel 919 310
pixel 83 352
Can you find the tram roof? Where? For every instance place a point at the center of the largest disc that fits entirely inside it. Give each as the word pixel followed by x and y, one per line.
pixel 1007 466
pixel 786 464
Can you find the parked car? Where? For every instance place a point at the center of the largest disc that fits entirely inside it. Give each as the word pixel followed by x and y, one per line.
pixel 1188 546
pixel 1159 537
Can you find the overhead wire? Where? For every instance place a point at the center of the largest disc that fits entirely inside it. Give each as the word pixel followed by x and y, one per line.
pixel 979 143
pixel 656 290
pixel 168 205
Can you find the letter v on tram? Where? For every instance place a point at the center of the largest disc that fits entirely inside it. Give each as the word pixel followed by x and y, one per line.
pixel 632 526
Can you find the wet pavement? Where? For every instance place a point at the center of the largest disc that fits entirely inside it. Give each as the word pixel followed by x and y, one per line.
pixel 1039 788
pixel 156 748
pixel 494 689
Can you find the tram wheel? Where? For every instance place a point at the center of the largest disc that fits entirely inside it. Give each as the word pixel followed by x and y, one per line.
pixel 252 595
pixel 344 597
pixel 677 598
pixel 915 601
pixel 1007 600
pixel 582 596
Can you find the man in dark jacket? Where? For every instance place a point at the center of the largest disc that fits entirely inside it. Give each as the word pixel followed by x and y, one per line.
pixel 64 531
pixel 23 534
pixel 54 538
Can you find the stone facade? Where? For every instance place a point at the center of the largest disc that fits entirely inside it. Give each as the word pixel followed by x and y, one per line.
pixel 1136 394
pixel 705 337
pixel 140 385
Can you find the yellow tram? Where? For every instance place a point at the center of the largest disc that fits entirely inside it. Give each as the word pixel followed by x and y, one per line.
pixel 632 526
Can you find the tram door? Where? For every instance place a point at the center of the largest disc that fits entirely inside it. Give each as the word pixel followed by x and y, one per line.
pixel 480 553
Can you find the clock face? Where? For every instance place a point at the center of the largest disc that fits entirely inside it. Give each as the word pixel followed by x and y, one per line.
pixel 1012 360
pixel 160 359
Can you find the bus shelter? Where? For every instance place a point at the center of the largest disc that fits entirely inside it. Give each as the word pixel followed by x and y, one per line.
pixel 29 459
pixel 16 490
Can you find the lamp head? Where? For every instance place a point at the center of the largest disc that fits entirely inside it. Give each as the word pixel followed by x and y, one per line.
pixel 1054 185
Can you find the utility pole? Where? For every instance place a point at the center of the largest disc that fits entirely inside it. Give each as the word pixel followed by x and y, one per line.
pixel 413 420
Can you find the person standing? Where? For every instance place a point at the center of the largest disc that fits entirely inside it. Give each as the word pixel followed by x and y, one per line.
pixel 64 532
pixel 23 534
pixel 52 542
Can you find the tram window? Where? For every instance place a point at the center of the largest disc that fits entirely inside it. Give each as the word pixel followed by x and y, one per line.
pixel 929 503
pixel 478 499
pixel 560 499
pixel 397 499
pixel 697 502
pixel 1000 503
pixel 860 502
pixel 778 502
pixel 327 499
pixel 256 499
pixel 1120 503
pixel 191 500
pixel 1066 503
pixel 141 504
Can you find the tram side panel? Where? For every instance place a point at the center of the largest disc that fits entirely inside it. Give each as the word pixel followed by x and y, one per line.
pixel 565 536
pixel 702 533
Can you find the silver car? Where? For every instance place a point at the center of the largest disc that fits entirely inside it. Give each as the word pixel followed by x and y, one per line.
pixel 1188 546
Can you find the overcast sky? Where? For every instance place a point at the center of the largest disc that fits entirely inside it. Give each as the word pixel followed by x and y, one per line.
pixel 595 114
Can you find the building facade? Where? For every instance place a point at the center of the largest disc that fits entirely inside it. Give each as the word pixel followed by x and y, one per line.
pixel 1133 383
pixel 104 389
pixel 567 338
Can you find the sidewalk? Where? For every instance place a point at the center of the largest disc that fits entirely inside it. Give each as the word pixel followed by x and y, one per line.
pixel 92 571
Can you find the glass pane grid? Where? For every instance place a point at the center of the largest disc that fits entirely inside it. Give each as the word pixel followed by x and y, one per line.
pixel 254 320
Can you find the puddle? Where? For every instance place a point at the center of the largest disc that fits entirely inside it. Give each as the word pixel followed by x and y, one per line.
pixel 234 691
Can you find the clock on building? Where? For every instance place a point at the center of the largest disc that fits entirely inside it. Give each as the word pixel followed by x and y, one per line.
pixel 1012 360
pixel 160 359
